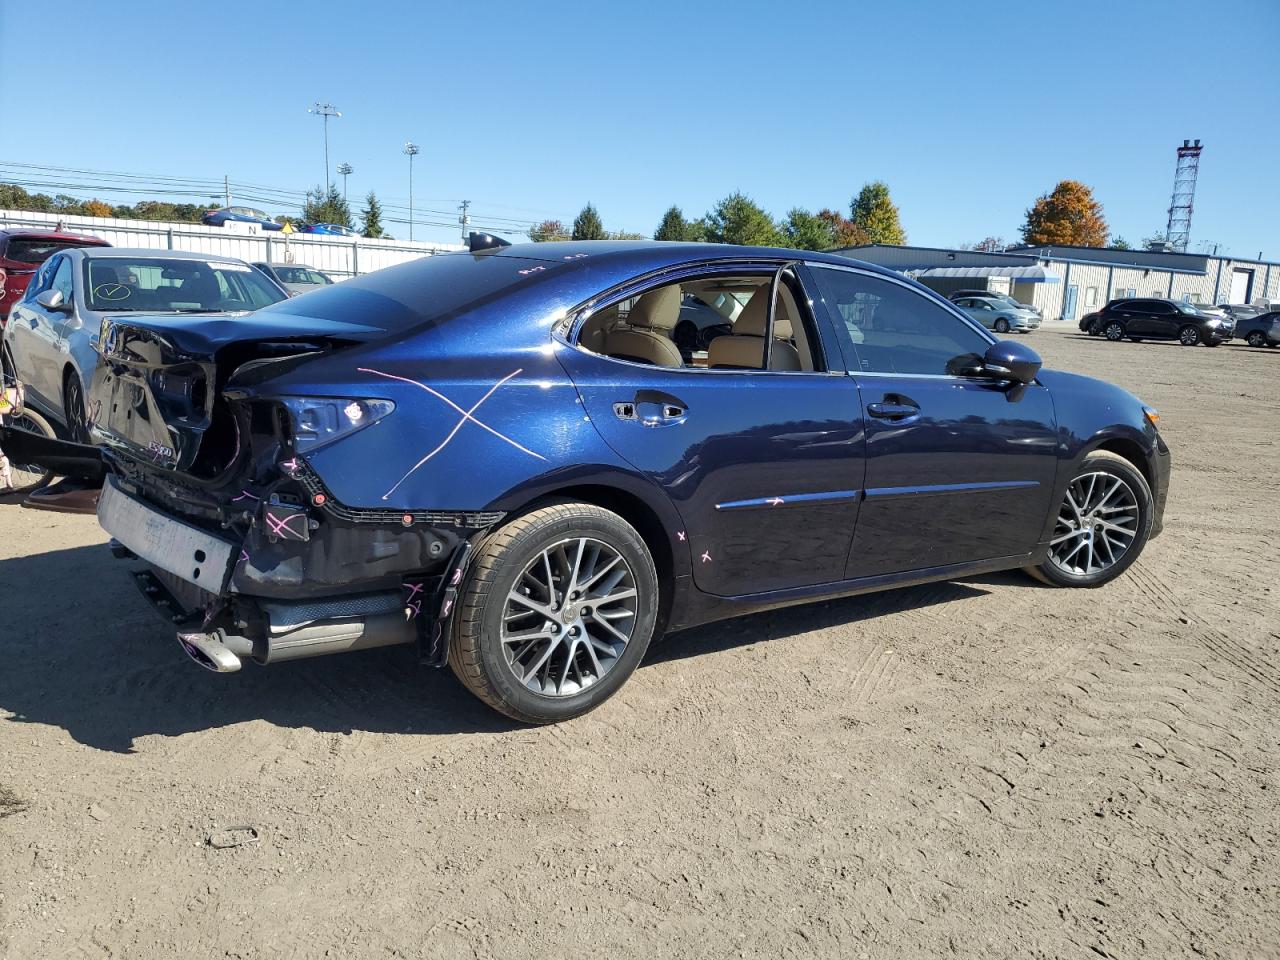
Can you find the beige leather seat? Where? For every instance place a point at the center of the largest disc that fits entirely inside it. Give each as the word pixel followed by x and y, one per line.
pixel 646 336
pixel 744 350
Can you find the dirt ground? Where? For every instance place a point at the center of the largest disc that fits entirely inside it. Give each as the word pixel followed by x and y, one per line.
pixel 982 768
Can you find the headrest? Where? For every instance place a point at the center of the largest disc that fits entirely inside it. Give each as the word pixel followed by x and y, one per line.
pixel 659 309
pixel 755 315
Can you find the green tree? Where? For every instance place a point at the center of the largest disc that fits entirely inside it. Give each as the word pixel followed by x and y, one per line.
pixel 875 212
pixel 372 216
pixel 548 230
pixel 673 226
pixel 739 219
pixel 587 225
pixel 1120 243
pixel 803 230
pixel 986 245
pixel 1069 216
pixel 326 206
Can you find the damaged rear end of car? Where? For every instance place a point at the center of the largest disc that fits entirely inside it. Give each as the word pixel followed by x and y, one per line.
pixel 246 550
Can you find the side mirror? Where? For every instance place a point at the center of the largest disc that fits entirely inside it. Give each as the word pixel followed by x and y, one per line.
pixel 52 300
pixel 1010 360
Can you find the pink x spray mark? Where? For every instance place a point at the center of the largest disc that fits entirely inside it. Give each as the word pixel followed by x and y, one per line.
pixel 466 416
pixel 413 602
pixel 280 527
pixel 680 536
pixel 706 556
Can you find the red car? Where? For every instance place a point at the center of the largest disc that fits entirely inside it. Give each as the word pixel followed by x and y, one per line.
pixel 22 252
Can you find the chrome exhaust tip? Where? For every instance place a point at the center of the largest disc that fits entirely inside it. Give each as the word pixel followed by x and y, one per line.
pixel 207 650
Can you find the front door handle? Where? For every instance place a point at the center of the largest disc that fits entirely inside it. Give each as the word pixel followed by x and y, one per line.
pixel 892 411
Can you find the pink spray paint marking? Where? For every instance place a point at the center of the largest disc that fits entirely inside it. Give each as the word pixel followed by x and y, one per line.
pixel 281 527
pixel 525 273
pixel 466 416
pixel 706 556
pixel 680 536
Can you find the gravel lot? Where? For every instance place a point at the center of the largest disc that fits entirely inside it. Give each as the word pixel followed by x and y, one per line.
pixel 979 768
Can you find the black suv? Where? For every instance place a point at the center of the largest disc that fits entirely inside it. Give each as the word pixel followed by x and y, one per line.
pixel 1151 319
pixel 1260 331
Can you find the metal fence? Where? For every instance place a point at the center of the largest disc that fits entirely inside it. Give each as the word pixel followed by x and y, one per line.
pixel 341 257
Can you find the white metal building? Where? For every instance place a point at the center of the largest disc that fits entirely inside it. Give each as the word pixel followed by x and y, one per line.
pixel 1065 282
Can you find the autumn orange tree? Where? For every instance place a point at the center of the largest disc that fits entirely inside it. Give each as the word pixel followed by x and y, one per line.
pixel 1068 216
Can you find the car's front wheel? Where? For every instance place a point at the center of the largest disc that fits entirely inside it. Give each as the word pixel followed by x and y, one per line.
pixel 559 607
pixel 1114 331
pixel 74 408
pixel 1002 325
pixel 1188 336
pixel 1102 525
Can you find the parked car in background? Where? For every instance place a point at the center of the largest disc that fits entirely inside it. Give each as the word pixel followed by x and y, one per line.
pixel 1000 315
pixel 500 456
pixel 52 342
pixel 994 295
pixel 295 278
pixel 22 252
pixel 1260 330
pixel 219 217
pixel 1240 311
pixel 330 229
pixel 1144 318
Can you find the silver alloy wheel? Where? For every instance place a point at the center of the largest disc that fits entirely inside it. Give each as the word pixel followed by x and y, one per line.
pixel 569 617
pixel 1114 332
pixel 1097 524
pixel 1256 339
pixel 1189 336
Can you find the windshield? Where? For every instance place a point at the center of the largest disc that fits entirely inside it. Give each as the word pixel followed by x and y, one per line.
pixel 1188 308
pixel 176 286
pixel 301 275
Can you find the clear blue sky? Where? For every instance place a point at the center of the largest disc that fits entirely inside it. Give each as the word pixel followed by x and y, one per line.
pixel 968 111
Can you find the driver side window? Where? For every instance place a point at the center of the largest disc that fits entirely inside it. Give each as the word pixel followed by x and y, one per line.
pixel 888 328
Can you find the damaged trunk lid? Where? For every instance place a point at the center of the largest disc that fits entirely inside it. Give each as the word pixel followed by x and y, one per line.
pixel 157 392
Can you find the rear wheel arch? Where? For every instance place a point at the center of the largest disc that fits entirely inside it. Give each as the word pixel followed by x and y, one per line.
pixel 640 515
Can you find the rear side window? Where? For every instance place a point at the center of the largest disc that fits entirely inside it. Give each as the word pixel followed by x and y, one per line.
pixel 37 250
pixel 890 328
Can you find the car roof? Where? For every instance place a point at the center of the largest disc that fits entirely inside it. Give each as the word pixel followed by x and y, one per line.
pixel 53 235
pixel 304 266
pixel 155 253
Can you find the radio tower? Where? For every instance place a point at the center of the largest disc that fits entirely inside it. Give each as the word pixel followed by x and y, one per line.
pixel 1184 194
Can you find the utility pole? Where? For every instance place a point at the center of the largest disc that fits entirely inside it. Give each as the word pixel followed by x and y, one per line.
pixel 325 110
pixel 226 188
pixel 345 169
pixel 411 151
pixel 465 219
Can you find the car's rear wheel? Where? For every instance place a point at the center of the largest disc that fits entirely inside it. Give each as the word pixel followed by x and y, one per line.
pixel 1114 331
pixel 559 607
pixel 1102 525
pixel 1002 325
pixel 1188 336
pixel 1256 339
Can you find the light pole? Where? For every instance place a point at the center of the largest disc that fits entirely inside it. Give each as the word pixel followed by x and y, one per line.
pixel 411 151
pixel 345 169
pixel 325 110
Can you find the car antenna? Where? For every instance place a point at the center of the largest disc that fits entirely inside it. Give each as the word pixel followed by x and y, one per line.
pixel 479 242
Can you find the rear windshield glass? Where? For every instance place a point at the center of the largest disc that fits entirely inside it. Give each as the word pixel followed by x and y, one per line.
pixel 301 275
pixel 176 286
pixel 401 298
pixel 38 250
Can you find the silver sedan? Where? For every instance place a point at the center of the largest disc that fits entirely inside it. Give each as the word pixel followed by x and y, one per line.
pixel 51 340
pixel 999 315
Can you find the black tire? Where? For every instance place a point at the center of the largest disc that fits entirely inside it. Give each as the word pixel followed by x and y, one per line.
pixel 1103 461
pixel 26 478
pixel 73 407
pixel 476 650
pixel 1002 325
pixel 1256 339
pixel 1188 336
pixel 1114 331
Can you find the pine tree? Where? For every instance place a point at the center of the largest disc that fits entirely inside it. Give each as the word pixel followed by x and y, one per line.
pixel 673 226
pixel 875 213
pixel 808 231
pixel 739 219
pixel 326 206
pixel 587 225
pixel 372 214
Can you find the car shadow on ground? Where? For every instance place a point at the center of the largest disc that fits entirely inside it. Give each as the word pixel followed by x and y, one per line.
pixel 80 650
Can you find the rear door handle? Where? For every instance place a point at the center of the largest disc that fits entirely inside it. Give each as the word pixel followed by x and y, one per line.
pixel 892 411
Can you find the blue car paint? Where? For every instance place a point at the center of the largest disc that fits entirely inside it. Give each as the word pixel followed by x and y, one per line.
pixel 775 491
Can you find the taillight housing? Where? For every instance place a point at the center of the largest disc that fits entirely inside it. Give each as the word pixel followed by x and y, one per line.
pixel 319 421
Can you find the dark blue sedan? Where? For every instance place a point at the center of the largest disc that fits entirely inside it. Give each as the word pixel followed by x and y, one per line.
pixel 502 457
pixel 330 229
pixel 219 217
